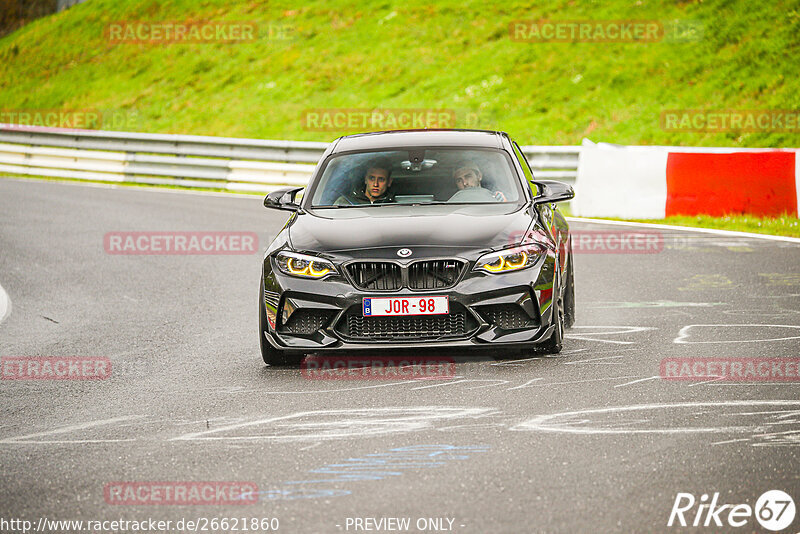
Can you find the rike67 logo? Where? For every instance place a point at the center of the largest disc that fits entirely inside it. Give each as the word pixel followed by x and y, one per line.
pixel 774 511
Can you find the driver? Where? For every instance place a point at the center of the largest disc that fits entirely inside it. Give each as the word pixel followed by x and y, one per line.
pixel 468 175
pixel 375 188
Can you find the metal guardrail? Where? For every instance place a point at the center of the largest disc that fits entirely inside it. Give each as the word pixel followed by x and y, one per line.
pixel 195 161
pixel 66 4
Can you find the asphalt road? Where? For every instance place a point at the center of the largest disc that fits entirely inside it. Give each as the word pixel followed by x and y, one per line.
pixel 592 440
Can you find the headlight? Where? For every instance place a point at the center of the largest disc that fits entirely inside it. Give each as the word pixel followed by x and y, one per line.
pixel 512 259
pixel 304 266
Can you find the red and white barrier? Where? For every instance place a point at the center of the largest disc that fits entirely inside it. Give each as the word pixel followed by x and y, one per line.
pixel 640 182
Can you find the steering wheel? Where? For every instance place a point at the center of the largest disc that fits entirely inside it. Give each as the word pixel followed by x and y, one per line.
pixel 473 194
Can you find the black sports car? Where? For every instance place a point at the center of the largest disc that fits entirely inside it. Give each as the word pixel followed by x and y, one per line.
pixel 404 239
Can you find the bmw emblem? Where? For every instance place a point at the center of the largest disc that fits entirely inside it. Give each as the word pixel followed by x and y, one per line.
pixel 404 252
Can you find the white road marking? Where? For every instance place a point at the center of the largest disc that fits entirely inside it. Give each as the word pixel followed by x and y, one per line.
pixel 489 380
pixel 683 333
pixel 637 381
pixel 405 382
pixel 28 438
pixel 565 421
pixel 335 424
pixel 653 304
pixel 518 362
pixel 569 382
pixel 573 351
pixel 777 313
pixel 591 360
pixel 512 363
pixel 714 378
pixel 583 338
pixel 730 441
pixel 526 384
pixel 751 384
pixel 451 383
pixel 729 233
pixel 614 330
pixel 468 380
pixel 66 441
pixel 475 426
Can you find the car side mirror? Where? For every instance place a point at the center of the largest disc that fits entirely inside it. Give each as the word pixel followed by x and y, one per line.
pixel 552 191
pixel 283 199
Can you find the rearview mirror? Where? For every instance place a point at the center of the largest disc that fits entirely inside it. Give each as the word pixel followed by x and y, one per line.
pixel 283 199
pixel 417 166
pixel 552 191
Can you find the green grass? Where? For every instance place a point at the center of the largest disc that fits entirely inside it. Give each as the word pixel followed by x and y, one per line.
pixel 785 225
pixel 452 55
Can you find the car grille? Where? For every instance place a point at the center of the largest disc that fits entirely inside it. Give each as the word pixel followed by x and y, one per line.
pixel 507 316
pixel 457 323
pixel 420 327
pixel 434 274
pixel 306 321
pixel 387 276
pixel 380 276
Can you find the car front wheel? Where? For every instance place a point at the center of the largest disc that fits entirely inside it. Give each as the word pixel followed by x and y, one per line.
pixel 569 294
pixel 554 342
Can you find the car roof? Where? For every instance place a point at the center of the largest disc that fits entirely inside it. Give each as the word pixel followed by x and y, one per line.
pixel 427 137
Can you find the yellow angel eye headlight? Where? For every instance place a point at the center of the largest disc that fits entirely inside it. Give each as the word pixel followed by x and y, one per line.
pixel 313 272
pixel 509 260
pixel 298 266
pixel 516 261
pixel 303 266
pixel 495 266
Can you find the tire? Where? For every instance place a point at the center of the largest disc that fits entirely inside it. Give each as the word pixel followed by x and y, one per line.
pixel 556 339
pixel 569 294
pixel 270 354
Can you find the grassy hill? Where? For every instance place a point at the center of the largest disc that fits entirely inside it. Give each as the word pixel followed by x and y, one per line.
pixel 454 55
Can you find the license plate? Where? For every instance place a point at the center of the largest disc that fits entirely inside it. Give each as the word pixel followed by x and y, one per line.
pixel 382 306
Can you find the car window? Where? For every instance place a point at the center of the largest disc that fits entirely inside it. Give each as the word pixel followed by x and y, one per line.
pixel 526 169
pixel 416 176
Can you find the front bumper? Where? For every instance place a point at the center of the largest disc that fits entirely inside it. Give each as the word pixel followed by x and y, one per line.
pixel 510 310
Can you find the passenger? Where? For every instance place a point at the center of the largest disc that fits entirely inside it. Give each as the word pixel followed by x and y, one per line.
pixel 468 175
pixel 375 188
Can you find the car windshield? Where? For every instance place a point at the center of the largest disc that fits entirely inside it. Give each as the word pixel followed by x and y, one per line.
pixel 416 176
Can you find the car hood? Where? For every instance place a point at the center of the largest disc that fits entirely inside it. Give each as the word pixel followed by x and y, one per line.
pixel 426 230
